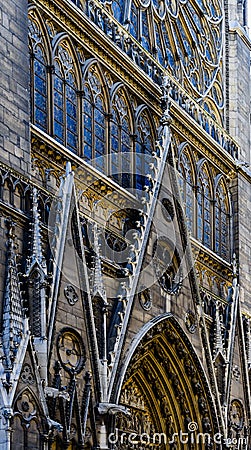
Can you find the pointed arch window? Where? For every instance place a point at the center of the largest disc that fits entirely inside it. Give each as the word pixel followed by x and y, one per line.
pixel 38 78
pixel 186 185
pixel 65 100
pixel 144 149
pixel 134 21
pixel 204 215
pixel 159 47
pixel 94 121
pixel 145 35
pixel 121 141
pixel 221 222
pixel 118 10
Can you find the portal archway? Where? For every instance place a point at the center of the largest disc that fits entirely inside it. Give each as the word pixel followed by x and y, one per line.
pixel 166 393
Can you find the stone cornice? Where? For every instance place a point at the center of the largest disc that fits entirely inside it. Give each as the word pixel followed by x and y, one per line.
pixel 235 27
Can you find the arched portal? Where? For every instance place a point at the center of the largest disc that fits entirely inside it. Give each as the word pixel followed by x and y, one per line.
pixel 165 390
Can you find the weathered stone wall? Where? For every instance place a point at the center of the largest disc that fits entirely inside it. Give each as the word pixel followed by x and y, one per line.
pixel 239 79
pixel 14 85
pixel 244 209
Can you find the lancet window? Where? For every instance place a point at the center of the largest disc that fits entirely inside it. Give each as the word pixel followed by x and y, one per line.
pixel 94 119
pixel 65 99
pixel 143 150
pixel 121 140
pixel 222 222
pixel 204 212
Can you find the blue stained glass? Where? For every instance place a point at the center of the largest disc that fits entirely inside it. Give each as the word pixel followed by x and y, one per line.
pixel 207 241
pixel 167 46
pixel 208 54
pixel 58 99
pixel 88 95
pixel 99 115
pixel 40 84
pixel 145 31
pixel 71 110
pixel 41 118
pixel 71 93
pixel 39 68
pixel 159 47
pixel 115 145
pixel 100 164
pixel 58 114
pixel 99 103
pixel 88 152
pixel 100 146
pixel 70 79
pixel 115 133
pixel 213 10
pixel 71 140
pixel 207 215
pixel 99 131
pixel 59 131
pixel 125 145
pixel 71 124
pixel 58 84
pixel 117 11
pixel 40 54
pixel 88 136
pixel 88 122
pixel 40 101
pixel 134 21
pixel 195 17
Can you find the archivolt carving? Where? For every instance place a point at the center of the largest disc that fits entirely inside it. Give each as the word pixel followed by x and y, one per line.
pixel 164 389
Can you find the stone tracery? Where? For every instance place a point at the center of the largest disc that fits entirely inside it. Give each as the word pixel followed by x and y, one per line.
pixel 185 37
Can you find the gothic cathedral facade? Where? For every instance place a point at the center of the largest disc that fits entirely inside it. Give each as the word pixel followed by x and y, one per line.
pixel 125 200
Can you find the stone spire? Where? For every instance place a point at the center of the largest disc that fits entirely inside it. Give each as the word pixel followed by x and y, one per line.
pixel 218 336
pixel 36 245
pixel 97 285
pixel 13 316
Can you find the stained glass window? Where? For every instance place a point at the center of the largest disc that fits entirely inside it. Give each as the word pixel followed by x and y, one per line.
pixel 145 37
pixel 221 222
pixel 59 103
pixel 144 149
pixel 121 141
pixel 204 215
pixel 94 119
pixel 186 184
pixel 134 21
pixel 65 100
pixel 118 10
pixel 186 36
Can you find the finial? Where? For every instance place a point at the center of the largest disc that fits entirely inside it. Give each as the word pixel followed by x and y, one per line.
pixel 98 286
pixel 234 265
pixel 165 120
pixel 36 250
pixel 68 168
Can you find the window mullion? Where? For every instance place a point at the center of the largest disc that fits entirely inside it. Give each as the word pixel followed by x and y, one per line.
pixel 93 131
pixel 50 98
pixel 32 86
pixel 65 112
